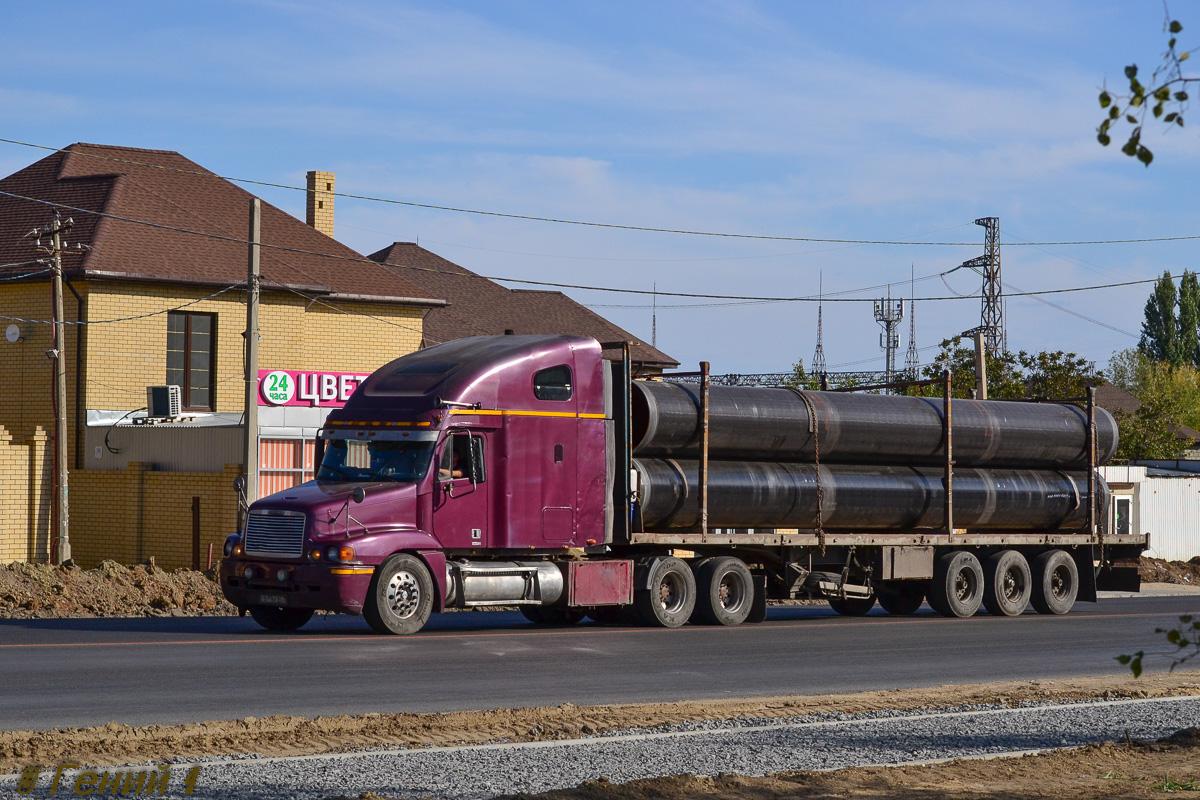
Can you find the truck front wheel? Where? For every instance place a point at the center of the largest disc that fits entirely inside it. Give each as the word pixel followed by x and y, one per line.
pixel 400 598
pixel 671 597
pixel 277 618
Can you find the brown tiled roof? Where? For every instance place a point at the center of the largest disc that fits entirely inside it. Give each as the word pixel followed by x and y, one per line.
pixel 480 307
pixel 93 177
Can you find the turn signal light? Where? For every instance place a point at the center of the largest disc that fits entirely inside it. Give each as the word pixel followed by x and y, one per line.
pixel 346 553
pixel 314 554
pixel 237 550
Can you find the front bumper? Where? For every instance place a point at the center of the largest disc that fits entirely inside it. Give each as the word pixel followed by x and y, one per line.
pixel 341 588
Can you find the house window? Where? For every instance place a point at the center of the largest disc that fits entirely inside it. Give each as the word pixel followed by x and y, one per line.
pixel 190 358
pixel 284 463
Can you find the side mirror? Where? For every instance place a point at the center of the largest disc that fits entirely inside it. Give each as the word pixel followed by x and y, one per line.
pixel 239 484
pixel 359 494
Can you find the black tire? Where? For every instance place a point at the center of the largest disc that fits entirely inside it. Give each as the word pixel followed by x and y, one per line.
pixel 671 597
pixel 550 615
pixel 957 588
pixel 400 598
pixel 852 606
pixel 724 591
pixel 1055 582
pixel 275 618
pixel 1007 584
pixel 902 599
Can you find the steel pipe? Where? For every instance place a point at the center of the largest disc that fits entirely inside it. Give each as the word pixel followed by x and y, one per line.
pixel 757 494
pixel 776 425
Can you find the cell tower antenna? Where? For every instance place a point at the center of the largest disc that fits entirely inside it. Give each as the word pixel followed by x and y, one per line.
pixel 818 362
pixel 654 320
pixel 912 360
pixel 888 313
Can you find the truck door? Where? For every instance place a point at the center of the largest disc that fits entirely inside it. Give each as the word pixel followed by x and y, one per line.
pixel 460 504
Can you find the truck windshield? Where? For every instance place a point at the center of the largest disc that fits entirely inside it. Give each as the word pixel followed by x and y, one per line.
pixel 352 460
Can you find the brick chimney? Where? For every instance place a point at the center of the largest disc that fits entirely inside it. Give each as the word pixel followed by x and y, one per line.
pixel 318 208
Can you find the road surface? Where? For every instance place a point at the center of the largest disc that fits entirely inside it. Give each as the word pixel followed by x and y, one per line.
pixel 80 672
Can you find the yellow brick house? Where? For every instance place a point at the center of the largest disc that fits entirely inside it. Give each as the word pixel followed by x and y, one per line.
pixel 156 297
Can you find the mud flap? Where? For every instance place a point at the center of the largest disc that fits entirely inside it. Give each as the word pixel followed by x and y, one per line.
pixel 758 609
pixel 1085 564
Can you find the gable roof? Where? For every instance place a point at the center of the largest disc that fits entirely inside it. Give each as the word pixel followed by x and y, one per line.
pixel 481 307
pixel 1113 398
pixel 164 188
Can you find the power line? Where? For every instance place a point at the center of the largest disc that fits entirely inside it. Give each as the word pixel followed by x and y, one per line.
pixel 125 319
pixel 583 287
pixel 585 223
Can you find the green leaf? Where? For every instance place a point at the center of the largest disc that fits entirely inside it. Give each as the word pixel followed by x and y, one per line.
pixel 1131 71
pixel 1114 112
pixel 1103 139
pixel 1170 117
pixel 1174 636
pixel 1185 618
pixel 1175 27
pixel 1124 659
pixel 1179 120
pixel 1135 666
pixel 1171 44
pixel 1145 156
pixel 1105 100
pixel 1131 119
pixel 1184 56
pixel 1157 110
pixel 1181 96
pixel 1130 148
pixel 1162 93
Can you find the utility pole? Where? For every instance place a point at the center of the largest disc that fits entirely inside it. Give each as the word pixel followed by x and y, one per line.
pixel 980 366
pixel 250 453
pixel 55 230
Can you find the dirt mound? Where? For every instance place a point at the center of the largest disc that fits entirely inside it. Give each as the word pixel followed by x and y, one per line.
pixel 1156 570
pixel 109 590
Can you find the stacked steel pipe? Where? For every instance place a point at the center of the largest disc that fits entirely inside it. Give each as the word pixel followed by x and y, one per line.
pixel 875 461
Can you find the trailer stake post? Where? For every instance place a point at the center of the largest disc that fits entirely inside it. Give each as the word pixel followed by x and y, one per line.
pixel 703 450
pixel 948 434
pixel 1091 448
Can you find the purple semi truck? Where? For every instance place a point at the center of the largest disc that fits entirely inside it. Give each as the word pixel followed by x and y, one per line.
pixel 529 471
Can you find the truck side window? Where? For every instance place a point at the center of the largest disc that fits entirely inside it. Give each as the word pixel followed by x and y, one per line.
pixel 462 457
pixel 553 383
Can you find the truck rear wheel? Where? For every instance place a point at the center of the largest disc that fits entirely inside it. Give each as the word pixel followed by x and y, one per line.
pixel 1055 582
pixel 400 598
pixel 1007 584
pixel 901 598
pixel 276 618
pixel 852 606
pixel 724 591
pixel 671 597
pixel 957 588
pixel 549 615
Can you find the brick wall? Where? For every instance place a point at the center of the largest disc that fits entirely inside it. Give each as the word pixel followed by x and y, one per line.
pixel 109 510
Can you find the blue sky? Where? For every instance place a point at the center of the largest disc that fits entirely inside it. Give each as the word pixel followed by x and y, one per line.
pixel 868 120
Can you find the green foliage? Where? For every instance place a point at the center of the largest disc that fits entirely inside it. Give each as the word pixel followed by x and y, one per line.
pixel 1170 397
pixel 803 380
pixel 1183 641
pixel 1187 347
pixel 1165 98
pixel 1160 328
pixel 1010 376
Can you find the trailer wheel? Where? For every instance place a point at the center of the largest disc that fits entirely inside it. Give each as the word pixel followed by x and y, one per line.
pixel 957 588
pixel 724 591
pixel 277 618
pixel 400 598
pixel 1007 584
pixel 852 606
pixel 901 598
pixel 671 597
pixel 549 615
pixel 1055 582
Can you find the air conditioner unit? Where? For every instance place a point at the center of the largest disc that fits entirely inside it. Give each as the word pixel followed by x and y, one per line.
pixel 162 402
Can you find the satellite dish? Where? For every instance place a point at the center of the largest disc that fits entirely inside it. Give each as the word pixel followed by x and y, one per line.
pixel 13 333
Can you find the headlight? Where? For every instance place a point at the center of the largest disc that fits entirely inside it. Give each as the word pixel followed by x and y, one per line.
pixel 248 573
pixel 281 575
pixel 231 544
pixel 343 553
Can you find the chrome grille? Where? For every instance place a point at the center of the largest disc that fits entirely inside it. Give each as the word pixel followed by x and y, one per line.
pixel 275 533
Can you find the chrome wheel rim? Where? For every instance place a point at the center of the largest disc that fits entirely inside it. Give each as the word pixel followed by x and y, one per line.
pixel 403 594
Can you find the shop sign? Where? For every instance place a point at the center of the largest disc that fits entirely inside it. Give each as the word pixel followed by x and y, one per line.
pixel 285 387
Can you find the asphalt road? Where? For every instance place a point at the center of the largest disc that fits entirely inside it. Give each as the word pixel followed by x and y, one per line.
pixel 59 673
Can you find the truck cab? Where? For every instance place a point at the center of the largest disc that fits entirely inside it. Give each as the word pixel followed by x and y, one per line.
pixel 442 462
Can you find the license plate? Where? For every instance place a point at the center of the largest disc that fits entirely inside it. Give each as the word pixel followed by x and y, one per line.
pixel 272 599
